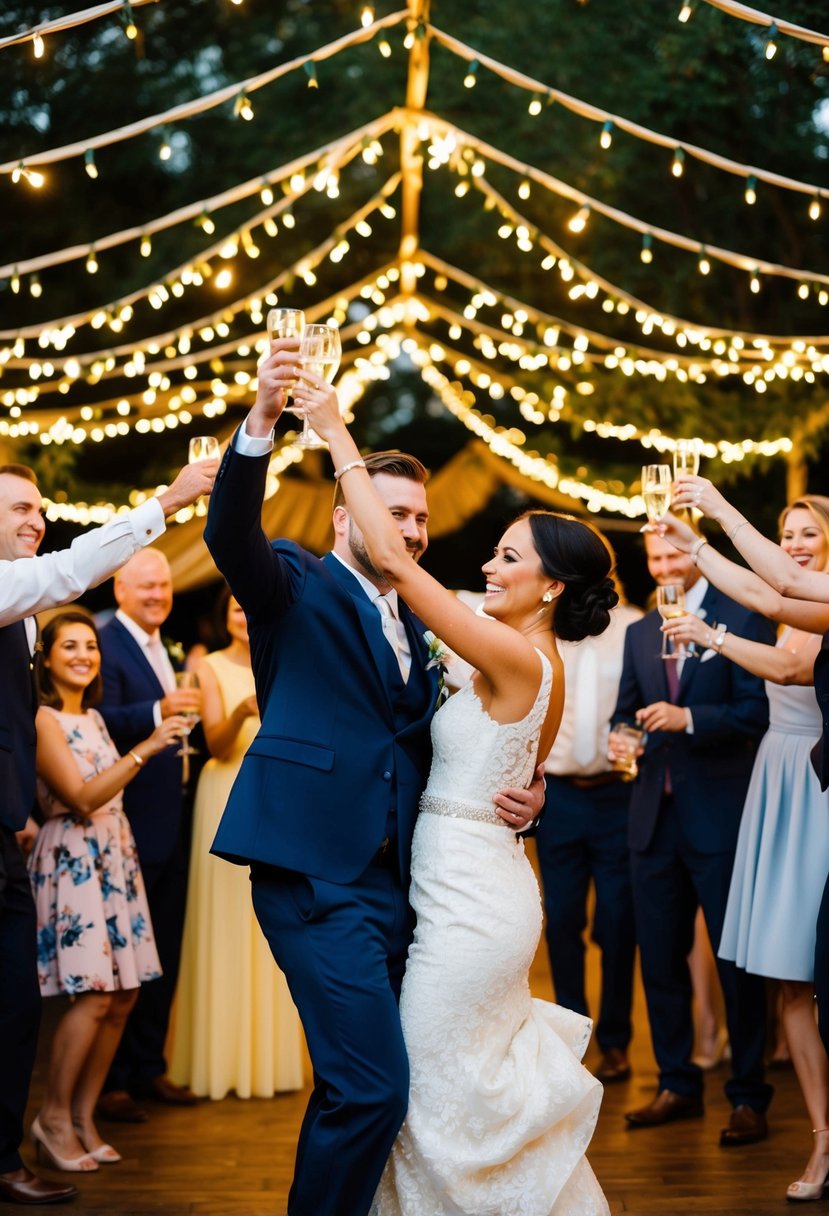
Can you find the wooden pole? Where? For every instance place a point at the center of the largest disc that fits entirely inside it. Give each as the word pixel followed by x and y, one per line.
pixel 411 161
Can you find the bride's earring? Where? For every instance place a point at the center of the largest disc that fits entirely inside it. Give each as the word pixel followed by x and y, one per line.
pixel 547 597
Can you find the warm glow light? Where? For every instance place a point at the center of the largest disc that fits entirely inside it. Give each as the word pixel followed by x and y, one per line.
pixel 578 222
pixel 37 46
pixel 751 191
pixel 606 137
pixel 685 12
pixel 814 208
pixel 771 44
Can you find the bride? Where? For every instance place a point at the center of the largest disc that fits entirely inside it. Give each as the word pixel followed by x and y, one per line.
pixel 500 1108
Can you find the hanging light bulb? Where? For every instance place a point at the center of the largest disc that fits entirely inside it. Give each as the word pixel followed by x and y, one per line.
pixel 89 164
pixel 242 107
pixel 678 163
pixel 384 48
pixel 165 150
pixel 15 282
pixel 266 193
pixel 35 287
pixel 751 190
pixel 755 282
pixel 130 28
pixel 471 77
pixel 146 246
pixel 91 261
pixel 703 265
pixel 803 291
pixel 771 41
pixel 578 222
pixel 534 107
pixel 37 46
pixel 814 208
pixel 606 137
pixel 367 15
pixel 524 189
pixel 686 12
pixel 206 223
pixel 646 252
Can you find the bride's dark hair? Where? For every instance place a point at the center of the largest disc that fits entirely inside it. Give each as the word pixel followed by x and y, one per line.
pixel 575 554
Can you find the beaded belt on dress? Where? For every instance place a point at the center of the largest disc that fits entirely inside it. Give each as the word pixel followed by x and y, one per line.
pixel 433 805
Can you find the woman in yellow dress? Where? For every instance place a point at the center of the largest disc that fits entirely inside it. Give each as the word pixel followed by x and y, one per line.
pixel 235 1026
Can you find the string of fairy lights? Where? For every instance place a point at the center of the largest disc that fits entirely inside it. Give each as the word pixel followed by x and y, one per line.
pixel 774 27
pixel 572 352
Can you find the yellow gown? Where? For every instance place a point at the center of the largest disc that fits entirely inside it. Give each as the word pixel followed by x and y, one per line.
pixel 235 1027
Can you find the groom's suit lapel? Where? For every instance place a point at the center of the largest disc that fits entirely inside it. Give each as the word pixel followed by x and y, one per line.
pixel 370 624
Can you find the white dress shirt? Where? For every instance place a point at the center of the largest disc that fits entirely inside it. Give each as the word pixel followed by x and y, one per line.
pixel 30 584
pixel 404 652
pixel 166 676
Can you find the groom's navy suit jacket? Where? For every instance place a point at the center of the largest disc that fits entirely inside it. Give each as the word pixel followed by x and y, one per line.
pixel 710 768
pixel 343 750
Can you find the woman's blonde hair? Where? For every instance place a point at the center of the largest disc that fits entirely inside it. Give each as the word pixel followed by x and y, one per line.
pixel 818 507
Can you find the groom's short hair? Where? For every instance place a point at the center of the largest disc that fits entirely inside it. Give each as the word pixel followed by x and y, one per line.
pixel 395 464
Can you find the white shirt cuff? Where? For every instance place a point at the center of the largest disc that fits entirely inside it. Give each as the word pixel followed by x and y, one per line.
pixel 157 718
pixel 689 721
pixel 249 445
pixel 148 521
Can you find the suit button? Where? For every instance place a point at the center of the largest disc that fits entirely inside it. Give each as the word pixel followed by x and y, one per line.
pixel 387 776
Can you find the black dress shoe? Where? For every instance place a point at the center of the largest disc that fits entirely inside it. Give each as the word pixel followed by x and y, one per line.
pixel 666 1107
pixel 162 1089
pixel 613 1066
pixel 22 1186
pixel 118 1107
pixel 746 1126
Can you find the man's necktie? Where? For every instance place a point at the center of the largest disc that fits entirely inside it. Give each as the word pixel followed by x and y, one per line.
pixel 155 655
pixel 390 631
pixel 672 676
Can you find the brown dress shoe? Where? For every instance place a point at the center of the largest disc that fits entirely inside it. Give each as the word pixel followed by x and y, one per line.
pixel 746 1126
pixel 22 1186
pixel 613 1066
pixel 666 1107
pixel 164 1090
pixel 118 1107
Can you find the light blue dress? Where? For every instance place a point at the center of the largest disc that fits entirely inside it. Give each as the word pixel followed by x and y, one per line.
pixel 783 847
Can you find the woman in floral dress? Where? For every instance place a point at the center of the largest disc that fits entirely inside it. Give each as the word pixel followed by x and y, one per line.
pixel 95 939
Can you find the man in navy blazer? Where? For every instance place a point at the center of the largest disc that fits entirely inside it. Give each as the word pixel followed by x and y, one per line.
pixel 324 806
pixel 139 690
pixel 685 814
pixel 29 584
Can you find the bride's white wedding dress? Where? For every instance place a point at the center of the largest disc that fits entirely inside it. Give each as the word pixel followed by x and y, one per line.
pixel 500 1108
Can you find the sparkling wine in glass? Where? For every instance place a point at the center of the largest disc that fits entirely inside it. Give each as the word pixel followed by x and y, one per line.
pixel 286 323
pixel 203 447
pixel 656 492
pixel 189 680
pixel 670 602
pixel 686 458
pixel 319 351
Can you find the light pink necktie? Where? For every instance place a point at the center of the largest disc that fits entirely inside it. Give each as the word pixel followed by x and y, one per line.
pixel 390 631
pixel 155 656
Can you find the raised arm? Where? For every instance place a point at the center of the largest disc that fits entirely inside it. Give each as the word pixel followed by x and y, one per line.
pixel 764 556
pixel 743 585
pixel 780 664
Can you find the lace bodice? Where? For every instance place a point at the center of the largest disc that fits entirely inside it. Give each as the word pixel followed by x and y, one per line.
pixel 473 756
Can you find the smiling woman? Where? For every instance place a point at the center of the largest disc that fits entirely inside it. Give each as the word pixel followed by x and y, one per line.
pixel 95 939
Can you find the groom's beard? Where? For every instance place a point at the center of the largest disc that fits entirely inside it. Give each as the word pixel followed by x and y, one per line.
pixel 360 553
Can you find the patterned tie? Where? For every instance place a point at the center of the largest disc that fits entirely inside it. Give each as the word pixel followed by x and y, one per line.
pixel 389 621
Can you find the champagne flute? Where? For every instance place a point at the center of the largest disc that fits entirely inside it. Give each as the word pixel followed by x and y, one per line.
pixel 656 492
pixel 686 458
pixel 189 680
pixel 286 323
pixel 670 602
pixel 319 352
pixel 203 447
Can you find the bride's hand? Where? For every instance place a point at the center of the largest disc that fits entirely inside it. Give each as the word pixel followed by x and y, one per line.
pixel 320 403
pixel 676 532
pixel 699 493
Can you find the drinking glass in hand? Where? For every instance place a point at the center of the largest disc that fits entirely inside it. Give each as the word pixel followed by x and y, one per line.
pixel 319 352
pixel 203 447
pixel 189 680
pixel 628 737
pixel 686 458
pixel 670 602
pixel 656 492
pixel 286 323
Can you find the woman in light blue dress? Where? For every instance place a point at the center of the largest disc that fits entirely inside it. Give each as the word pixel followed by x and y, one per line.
pixel 783 847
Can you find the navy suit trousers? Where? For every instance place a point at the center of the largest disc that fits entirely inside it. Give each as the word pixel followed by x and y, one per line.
pixel 582 837
pixel 670 880
pixel 20 1002
pixel 342 949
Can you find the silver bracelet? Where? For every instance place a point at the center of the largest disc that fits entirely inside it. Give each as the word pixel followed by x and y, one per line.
pixel 736 529
pixel 697 549
pixel 354 464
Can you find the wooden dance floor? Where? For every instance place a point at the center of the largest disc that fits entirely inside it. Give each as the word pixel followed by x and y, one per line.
pixel 234 1158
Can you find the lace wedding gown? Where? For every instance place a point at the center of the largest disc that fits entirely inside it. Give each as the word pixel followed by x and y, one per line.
pixel 500 1108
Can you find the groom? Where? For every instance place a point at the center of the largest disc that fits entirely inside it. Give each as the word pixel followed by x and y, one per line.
pixel 325 803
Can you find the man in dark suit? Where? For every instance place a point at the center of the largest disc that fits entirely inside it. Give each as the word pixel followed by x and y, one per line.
pixel 139 679
pixel 26 587
pixel 324 805
pixel 704 723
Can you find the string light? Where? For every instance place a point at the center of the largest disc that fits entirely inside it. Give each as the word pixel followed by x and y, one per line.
pixel 384 48
pixel 242 107
pixel 535 106
pixel 578 222
pixel 266 193
pixel 771 41
pixel 146 246
pixel 311 72
pixel 15 282
pixel 38 46
pixel 89 163
pixel 751 190
pixel 35 287
pixel 703 265
pixel 130 28
pixel 206 223
pixel 471 77
pixel 91 261
pixel 686 12
pixel 32 176
pixel 367 16
pixel 646 252
pixel 755 282
pixel 814 208
pixel 678 163
pixel 606 137
pixel 165 150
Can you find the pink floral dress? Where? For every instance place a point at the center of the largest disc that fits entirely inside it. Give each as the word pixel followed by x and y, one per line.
pixel 94 932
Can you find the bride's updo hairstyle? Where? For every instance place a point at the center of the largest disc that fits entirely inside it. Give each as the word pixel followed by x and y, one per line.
pixel 574 554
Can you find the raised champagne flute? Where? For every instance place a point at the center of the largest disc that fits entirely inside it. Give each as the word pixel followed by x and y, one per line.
pixel 188 679
pixel 670 603
pixel 203 447
pixel 286 323
pixel 319 352
pixel 686 458
pixel 656 492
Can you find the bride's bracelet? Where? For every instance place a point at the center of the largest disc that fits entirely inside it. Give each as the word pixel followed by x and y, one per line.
pixel 742 523
pixel 354 464
pixel 696 549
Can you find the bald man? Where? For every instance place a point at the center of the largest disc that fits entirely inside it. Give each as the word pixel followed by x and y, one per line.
pixel 139 691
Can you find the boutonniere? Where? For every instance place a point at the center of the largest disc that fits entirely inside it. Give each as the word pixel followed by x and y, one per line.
pixel 174 649
pixel 439 656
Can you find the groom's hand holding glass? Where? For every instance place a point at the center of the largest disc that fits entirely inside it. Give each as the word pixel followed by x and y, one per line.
pixel 276 376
